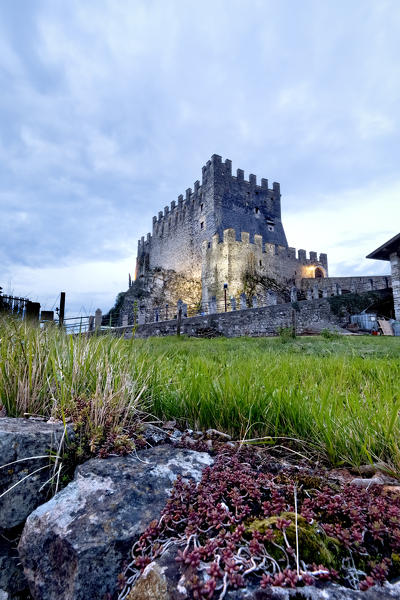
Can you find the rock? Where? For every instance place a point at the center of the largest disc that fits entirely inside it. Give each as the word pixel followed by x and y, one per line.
pixel 12 577
pixel 230 445
pixel 73 547
pixel 155 435
pixel 163 576
pixel 391 489
pixel 25 439
pixel 169 424
pixel 367 483
pixel 369 469
pixel 152 584
pixel 331 591
pixel 342 476
pixel 214 434
pixel 176 435
pixel 387 480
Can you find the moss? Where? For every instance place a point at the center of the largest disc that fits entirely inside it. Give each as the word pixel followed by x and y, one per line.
pixel 314 544
pixel 395 566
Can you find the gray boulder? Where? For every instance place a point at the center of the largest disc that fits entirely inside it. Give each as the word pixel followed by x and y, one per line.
pixel 73 547
pixel 329 591
pixel 12 578
pixel 21 440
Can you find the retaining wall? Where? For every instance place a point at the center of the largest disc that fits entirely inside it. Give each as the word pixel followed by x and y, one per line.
pixel 254 322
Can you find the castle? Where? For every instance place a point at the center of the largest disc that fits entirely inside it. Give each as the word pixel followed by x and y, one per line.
pixel 224 239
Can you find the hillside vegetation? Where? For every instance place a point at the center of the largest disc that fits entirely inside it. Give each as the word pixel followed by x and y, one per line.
pixel 333 399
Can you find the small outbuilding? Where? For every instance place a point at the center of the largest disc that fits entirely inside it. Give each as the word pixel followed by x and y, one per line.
pixel 391 251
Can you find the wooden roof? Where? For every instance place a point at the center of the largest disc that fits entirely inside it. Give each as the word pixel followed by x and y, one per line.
pixel 384 251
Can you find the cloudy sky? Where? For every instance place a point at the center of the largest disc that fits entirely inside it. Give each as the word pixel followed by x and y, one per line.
pixel 109 109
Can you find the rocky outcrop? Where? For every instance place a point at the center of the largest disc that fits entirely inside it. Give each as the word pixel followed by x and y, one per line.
pixel 26 465
pixel 28 449
pixel 73 547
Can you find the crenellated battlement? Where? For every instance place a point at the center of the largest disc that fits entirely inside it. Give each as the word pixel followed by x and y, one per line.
pixel 217 166
pixel 218 201
pixel 230 236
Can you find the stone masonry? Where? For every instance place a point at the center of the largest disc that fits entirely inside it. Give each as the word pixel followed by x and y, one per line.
pixel 395 265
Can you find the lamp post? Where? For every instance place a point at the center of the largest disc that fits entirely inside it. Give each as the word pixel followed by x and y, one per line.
pixel 225 290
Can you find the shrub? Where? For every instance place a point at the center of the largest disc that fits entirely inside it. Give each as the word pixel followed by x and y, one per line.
pixel 330 334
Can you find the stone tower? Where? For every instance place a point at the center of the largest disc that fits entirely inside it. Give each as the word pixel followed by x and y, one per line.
pixel 222 228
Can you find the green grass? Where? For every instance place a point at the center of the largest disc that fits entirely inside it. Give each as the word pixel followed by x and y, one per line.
pixel 339 397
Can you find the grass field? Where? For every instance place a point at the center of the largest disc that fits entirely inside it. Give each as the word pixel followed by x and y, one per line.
pixel 339 397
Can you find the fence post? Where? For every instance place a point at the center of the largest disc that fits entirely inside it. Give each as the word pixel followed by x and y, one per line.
pixel 62 309
pixel 91 323
pixel 243 301
pixel 179 320
pixel 124 320
pixel 32 310
pixel 233 303
pixel 98 315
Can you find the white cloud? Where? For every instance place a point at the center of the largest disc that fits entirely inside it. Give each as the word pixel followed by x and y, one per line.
pixel 347 225
pixel 88 285
pixel 373 125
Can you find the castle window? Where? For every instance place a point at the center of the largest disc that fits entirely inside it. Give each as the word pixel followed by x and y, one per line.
pixel 201 206
pixel 260 263
pixel 256 210
pixel 319 274
pixel 202 225
pixel 271 228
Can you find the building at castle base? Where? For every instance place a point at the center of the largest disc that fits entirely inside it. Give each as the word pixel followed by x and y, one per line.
pixel 390 251
pixel 225 239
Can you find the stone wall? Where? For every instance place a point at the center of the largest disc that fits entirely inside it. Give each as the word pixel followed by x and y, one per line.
pixel 254 322
pixel 342 285
pixel 227 260
pixel 395 265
